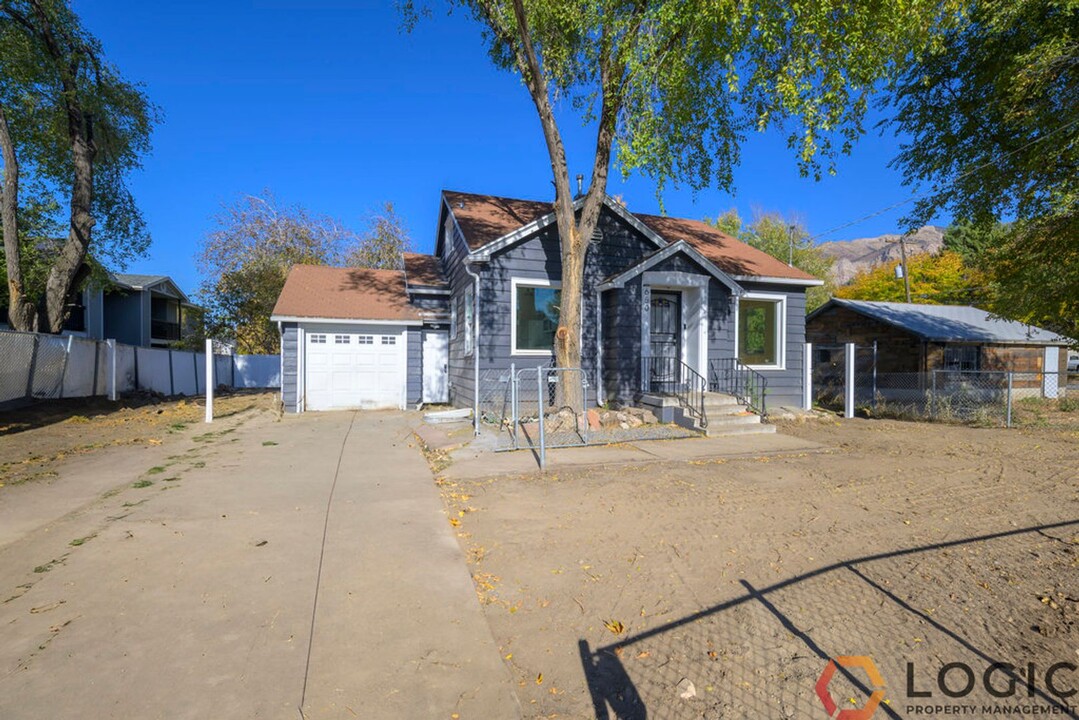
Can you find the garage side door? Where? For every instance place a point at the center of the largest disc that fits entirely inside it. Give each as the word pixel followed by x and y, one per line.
pixel 346 369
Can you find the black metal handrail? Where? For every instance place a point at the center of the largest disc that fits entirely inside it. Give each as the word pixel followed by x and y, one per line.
pixel 731 376
pixel 671 376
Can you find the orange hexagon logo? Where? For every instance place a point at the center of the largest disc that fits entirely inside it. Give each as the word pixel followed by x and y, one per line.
pixel 851 661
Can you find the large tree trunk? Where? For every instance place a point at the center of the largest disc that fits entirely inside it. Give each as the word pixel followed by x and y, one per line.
pixel 574 234
pixel 61 281
pixel 22 315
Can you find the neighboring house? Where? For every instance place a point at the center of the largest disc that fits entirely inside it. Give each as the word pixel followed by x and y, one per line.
pixel 143 310
pixel 660 293
pixel 912 338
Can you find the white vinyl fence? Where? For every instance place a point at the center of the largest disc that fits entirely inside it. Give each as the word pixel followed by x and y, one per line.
pixel 38 367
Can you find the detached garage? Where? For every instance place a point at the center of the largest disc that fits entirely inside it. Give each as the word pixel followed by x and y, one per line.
pixel 352 339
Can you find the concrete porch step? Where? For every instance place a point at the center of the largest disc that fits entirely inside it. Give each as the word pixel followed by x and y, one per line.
pixel 758 428
pixel 733 419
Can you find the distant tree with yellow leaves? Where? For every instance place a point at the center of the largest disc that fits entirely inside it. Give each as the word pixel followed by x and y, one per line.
pixel 942 279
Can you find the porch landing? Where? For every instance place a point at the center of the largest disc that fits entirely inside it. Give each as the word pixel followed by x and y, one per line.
pixel 724 413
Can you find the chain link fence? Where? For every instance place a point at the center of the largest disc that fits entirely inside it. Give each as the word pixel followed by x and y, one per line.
pixel 974 397
pixel 35 366
pixel 531 409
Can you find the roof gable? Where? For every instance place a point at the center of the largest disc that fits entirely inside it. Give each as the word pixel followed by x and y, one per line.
pixel 659 256
pixel 948 323
pixel 731 255
pixel 490 223
pixel 137 282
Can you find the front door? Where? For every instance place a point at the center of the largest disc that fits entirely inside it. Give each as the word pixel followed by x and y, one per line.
pixel 436 358
pixel 665 328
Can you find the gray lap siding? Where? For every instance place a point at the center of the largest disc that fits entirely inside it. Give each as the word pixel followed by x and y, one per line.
pixel 616 316
pixel 785 386
pixel 290 359
pixel 414 368
pixel 617 247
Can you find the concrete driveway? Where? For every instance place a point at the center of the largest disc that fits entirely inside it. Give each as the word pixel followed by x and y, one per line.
pixel 189 589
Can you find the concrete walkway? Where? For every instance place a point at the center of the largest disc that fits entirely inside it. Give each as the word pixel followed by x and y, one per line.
pixel 472 462
pixel 192 597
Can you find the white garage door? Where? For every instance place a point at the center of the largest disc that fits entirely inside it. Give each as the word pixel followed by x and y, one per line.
pixel 352 367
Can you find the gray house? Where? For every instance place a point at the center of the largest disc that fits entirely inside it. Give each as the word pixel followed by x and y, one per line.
pixel 143 310
pixel 666 299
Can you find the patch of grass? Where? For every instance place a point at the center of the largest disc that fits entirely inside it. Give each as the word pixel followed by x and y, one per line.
pixel 156 470
pixel 199 464
pixel 210 436
pixel 142 483
pixel 48 566
pixel 78 419
pixel 133 504
pixel 174 478
pixel 177 427
pixel 1068 404
pixel 35 476
pixel 81 541
pixel 268 443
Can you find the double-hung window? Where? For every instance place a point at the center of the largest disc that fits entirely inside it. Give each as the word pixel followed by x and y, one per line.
pixel 762 330
pixel 535 306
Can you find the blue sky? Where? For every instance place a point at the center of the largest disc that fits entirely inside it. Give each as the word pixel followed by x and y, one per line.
pixel 330 106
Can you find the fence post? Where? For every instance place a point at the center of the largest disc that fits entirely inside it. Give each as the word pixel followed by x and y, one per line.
pixel 874 374
pixel 209 381
pixel 933 396
pixel 513 401
pixel 848 400
pixel 1009 418
pixel 111 345
pixel 30 369
pixel 195 362
pixel 807 380
pixel 63 368
pixel 539 404
pixel 172 383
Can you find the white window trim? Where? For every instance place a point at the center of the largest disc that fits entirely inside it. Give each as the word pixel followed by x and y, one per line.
pixel 781 327
pixel 533 283
pixel 469 325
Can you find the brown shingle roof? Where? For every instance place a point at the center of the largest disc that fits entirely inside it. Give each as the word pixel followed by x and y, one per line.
pixel 485 218
pixel 317 291
pixel 424 270
pixel 733 257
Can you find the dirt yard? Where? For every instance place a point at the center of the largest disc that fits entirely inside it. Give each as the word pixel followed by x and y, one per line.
pixel 34 438
pixel 720 589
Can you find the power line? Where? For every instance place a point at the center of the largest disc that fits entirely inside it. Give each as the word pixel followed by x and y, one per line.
pixel 912 198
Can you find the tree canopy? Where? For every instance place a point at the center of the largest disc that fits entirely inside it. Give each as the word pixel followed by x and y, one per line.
pixel 246 259
pixel 672 89
pixel 942 279
pixel 991 121
pixel 382 242
pixel 787 240
pixel 74 129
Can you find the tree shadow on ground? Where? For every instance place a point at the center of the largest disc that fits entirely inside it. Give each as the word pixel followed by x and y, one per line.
pixel 760 654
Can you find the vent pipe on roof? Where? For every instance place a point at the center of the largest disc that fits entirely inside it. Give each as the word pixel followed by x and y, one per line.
pixel 580 184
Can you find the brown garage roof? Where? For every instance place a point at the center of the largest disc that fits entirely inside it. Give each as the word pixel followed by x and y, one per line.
pixel 485 218
pixel 424 270
pixel 318 291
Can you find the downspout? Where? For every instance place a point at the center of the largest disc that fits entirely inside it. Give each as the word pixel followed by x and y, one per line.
pixel 467 265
